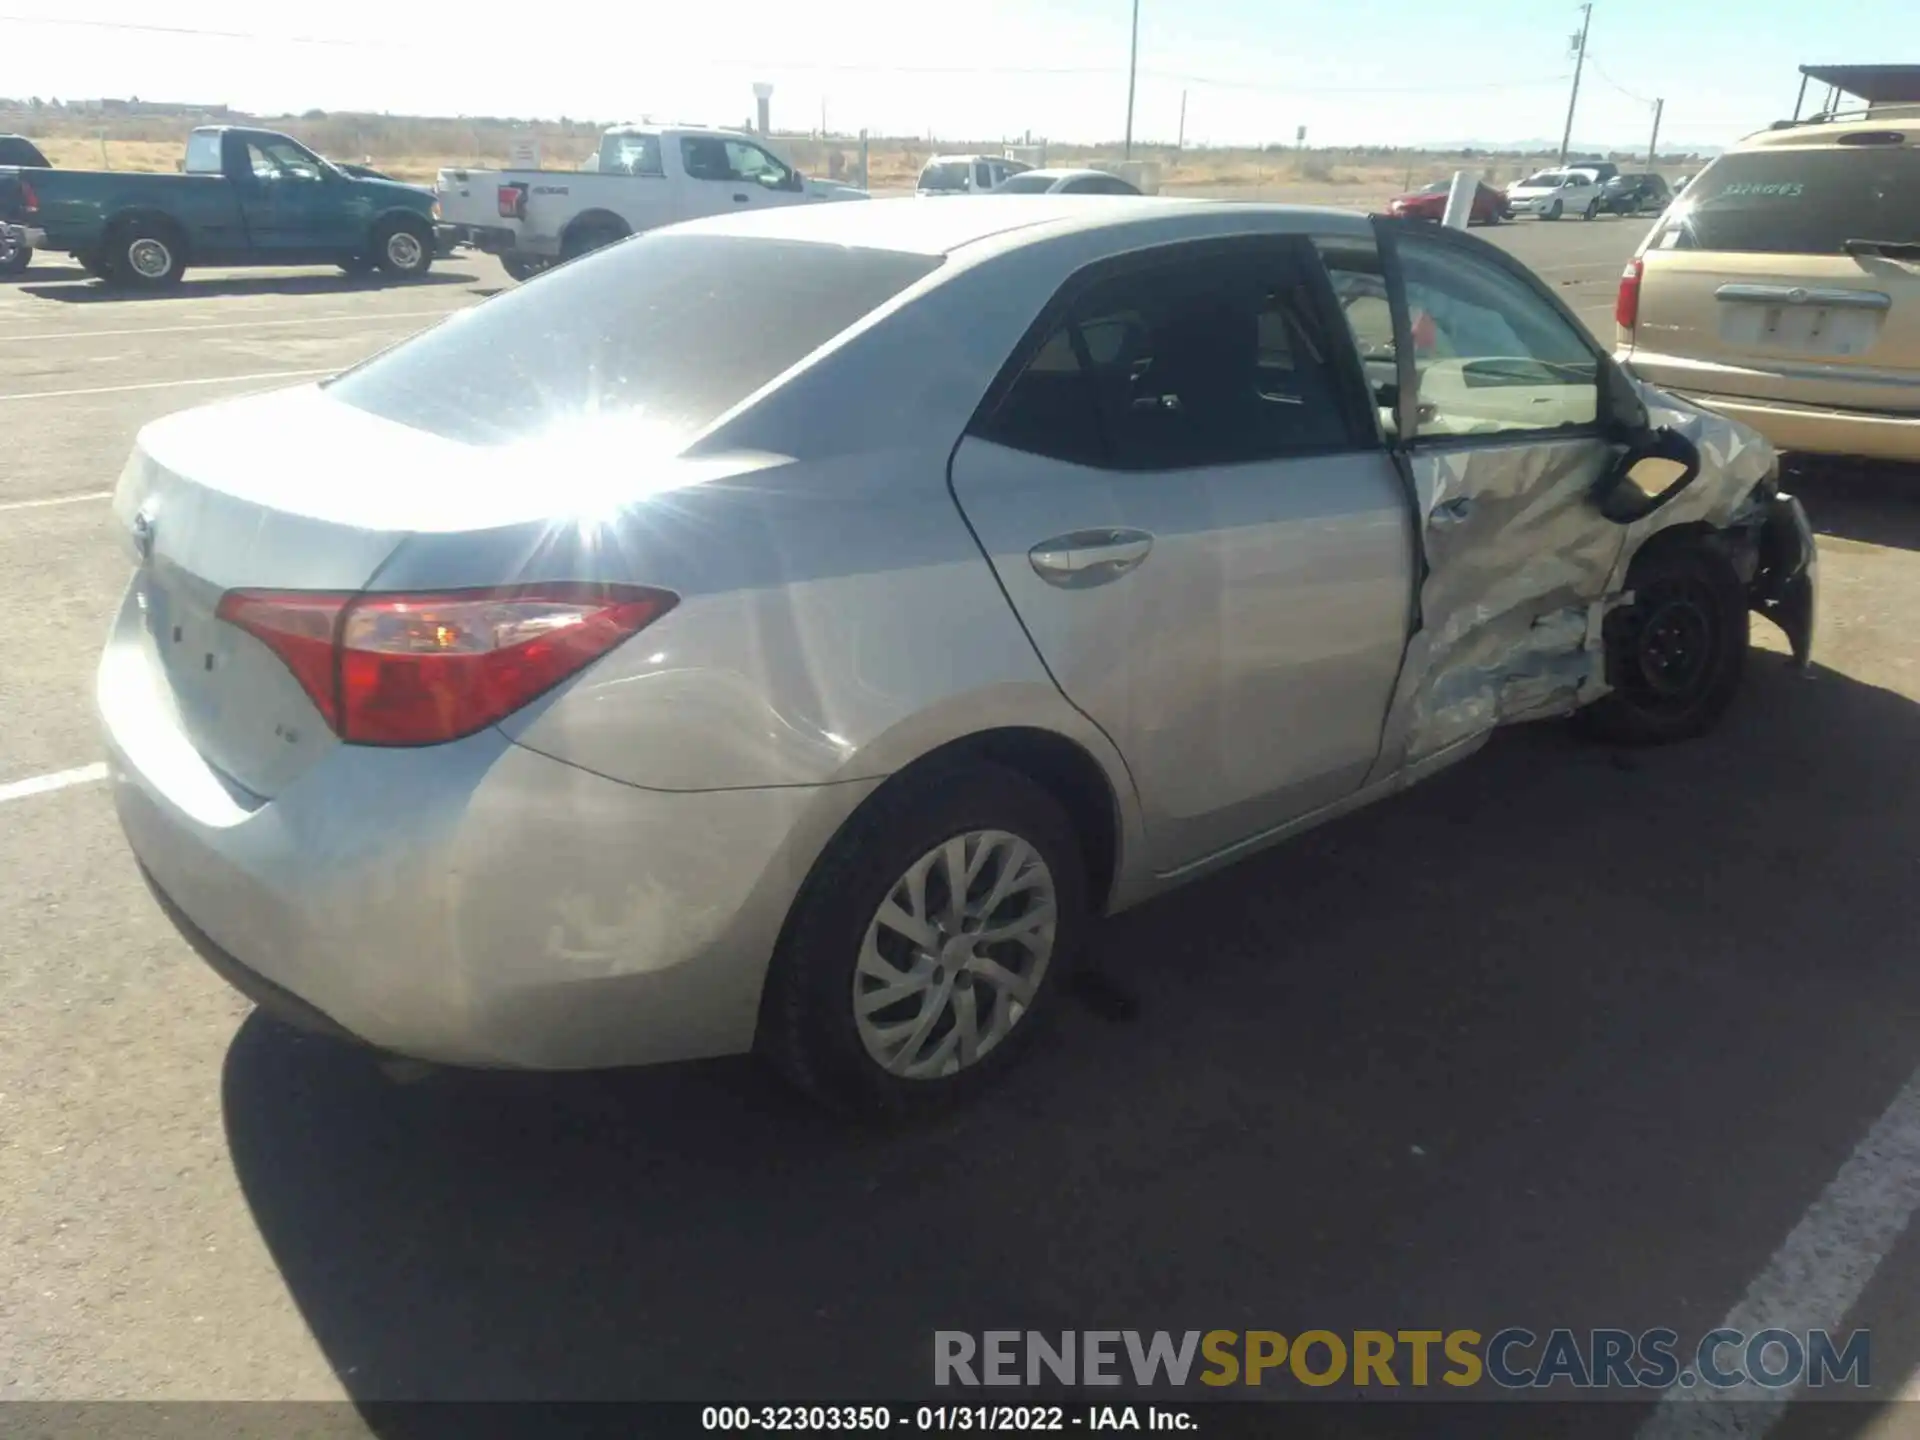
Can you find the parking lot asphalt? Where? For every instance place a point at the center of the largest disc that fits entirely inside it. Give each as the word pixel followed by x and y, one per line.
pixel 1567 1037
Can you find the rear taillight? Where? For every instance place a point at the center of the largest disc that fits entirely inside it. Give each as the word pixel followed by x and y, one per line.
pixel 29 199
pixel 422 669
pixel 1626 305
pixel 511 201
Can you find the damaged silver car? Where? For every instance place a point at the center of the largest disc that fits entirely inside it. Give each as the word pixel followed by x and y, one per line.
pixel 785 632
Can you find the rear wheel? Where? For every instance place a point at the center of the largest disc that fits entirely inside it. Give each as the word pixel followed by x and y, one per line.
pixel 146 254
pixel 1676 655
pixel 523 267
pixel 357 265
pixel 403 249
pixel 95 264
pixel 15 259
pixel 591 235
pixel 928 945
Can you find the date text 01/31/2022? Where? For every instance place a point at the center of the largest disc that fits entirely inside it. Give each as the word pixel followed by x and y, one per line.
pixel 942 1418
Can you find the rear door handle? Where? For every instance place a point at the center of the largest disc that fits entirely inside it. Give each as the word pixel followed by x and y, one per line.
pixel 1085 558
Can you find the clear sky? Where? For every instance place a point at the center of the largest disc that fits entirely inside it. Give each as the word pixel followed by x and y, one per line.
pixel 1351 71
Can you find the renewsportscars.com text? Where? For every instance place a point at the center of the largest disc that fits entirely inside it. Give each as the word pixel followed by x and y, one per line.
pixel 1512 1359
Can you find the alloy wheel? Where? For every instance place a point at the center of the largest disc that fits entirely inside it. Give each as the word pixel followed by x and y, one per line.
pixel 955 954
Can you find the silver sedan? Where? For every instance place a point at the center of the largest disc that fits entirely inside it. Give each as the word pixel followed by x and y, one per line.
pixel 787 631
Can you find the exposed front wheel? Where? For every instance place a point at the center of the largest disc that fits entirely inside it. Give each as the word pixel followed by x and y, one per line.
pixel 1554 211
pixel 1676 655
pixel 357 265
pixel 1593 209
pixel 928 944
pixel 403 249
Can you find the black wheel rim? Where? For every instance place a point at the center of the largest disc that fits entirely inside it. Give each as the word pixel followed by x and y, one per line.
pixel 1666 643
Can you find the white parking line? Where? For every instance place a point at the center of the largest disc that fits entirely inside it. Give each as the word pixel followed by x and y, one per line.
pixel 55 500
pixel 1817 1274
pixel 375 317
pixel 168 384
pixel 59 780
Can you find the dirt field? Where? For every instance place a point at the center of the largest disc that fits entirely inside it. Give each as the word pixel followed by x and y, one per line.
pixel 416 148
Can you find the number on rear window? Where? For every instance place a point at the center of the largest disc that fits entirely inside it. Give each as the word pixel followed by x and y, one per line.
pixel 1799 202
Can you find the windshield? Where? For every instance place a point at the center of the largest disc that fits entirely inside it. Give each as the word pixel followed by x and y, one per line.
pixel 671 330
pixel 1545 180
pixel 1438 187
pixel 1028 184
pixel 945 175
pixel 1799 202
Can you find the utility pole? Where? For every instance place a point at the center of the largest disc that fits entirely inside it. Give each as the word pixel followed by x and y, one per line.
pixel 1133 61
pixel 1579 61
pixel 1181 143
pixel 1653 145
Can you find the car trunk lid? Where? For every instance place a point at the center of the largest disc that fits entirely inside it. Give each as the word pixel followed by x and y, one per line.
pixel 1762 283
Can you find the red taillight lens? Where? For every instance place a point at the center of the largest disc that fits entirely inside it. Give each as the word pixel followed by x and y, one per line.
pixel 29 198
pixel 422 669
pixel 1626 305
pixel 511 201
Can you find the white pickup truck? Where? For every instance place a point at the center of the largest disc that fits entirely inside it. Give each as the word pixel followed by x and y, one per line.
pixel 644 176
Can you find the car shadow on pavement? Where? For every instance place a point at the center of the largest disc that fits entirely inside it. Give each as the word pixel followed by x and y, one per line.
pixel 1568 1036
pixel 81 290
pixel 1877 504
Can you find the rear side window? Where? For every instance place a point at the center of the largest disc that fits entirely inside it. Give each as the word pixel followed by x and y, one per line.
pixel 673 330
pixel 203 153
pixel 1220 359
pixel 946 175
pixel 631 155
pixel 1799 202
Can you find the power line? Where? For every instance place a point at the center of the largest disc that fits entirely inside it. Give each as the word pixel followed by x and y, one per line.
pixel 1615 84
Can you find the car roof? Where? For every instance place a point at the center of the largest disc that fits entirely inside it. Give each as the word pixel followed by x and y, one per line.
pixel 1834 132
pixel 916 227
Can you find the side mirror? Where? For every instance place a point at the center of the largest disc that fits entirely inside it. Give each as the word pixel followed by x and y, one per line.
pixel 1648 474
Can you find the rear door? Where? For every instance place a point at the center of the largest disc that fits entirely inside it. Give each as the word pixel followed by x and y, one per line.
pixel 1756 285
pixel 1182 489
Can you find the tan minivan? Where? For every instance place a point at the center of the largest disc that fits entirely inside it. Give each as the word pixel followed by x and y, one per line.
pixel 1782 288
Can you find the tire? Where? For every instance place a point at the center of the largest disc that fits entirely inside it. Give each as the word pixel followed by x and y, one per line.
pixel 145 255
pixel 1554 211
pixel 522 267
pixel 16 261
pixel 95 264
pixel 585 239
pixel 1676 656
pixel 837 949
pixel 403 249
pixel 1593 209
pixel 357 265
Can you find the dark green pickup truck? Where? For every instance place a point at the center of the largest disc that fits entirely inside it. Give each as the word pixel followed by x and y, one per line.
pixel 246 197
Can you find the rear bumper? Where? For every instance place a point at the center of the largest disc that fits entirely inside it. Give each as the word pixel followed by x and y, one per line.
pixel 500 240
pixel 474 903
pixel 1814 430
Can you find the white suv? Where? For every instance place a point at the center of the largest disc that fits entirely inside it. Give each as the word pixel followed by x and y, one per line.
pixel 1553 193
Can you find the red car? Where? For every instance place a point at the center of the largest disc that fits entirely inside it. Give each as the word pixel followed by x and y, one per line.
pixel 1430 203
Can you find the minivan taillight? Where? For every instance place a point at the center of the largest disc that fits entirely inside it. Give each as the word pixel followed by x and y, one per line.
pixel 511 201
pixel 423 669
pixel 1626 305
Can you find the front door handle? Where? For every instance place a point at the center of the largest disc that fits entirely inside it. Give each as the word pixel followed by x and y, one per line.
pixel 1085 558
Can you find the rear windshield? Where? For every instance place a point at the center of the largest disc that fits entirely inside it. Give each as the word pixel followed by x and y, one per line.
pixel 1800 202
pixel 670 330
pixel 1026 184
pixel 948 175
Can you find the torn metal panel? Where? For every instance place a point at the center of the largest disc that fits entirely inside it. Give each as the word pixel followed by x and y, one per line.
pixel 1521 568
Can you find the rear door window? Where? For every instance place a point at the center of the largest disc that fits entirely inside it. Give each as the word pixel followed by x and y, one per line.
pixel 1799 202
pixel 1208 358
pixel 672 330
